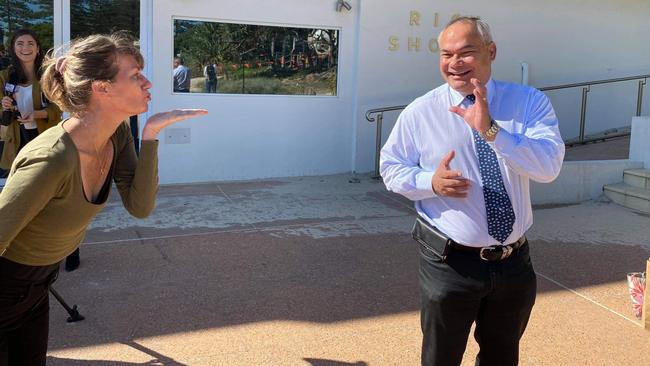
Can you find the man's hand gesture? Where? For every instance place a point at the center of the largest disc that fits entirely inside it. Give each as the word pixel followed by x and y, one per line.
pixel 447 182
pixel 477 115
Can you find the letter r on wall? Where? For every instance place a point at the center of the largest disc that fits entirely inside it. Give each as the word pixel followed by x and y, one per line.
pixel 415 18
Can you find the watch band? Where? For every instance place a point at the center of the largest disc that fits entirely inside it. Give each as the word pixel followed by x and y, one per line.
pixel 492 131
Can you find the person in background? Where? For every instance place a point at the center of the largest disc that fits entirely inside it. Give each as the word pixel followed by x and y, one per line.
pixel 61 180
pixel 182 76
pixel 26 112
pixel 210 73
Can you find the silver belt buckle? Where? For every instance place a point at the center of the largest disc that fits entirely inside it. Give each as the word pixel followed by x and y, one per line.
pixel 484 250
pixel 506 250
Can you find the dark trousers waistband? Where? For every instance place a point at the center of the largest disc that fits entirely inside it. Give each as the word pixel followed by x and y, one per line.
pixel 442 245
pixel 17 274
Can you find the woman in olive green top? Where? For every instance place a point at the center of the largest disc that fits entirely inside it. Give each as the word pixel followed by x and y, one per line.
pixel 62 179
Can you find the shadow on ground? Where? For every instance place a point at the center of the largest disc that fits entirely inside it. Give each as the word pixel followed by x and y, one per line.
pixel 170 286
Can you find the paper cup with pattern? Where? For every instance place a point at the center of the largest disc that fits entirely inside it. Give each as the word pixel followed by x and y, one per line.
pixel 636 285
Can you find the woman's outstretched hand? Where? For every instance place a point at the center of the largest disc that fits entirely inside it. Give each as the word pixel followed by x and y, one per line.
pixel 158 121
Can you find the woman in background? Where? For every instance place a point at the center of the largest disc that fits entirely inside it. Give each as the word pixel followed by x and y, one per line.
pixel 26 112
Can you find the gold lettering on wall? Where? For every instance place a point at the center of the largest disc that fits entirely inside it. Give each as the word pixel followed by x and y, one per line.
pixel 414 44
pixel 393 43
pixel 433 45
pixel 415 18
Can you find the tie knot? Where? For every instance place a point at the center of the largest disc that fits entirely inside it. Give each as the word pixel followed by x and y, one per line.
pixel 471 98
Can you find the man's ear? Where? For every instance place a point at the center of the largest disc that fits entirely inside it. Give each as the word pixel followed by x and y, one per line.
pixel 492 49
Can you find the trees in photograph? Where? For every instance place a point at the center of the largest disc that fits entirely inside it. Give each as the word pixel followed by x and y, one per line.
pixel 302 60
pixel 34 14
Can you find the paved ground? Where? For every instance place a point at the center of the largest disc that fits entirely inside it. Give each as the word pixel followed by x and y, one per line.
pixel 616 148
pixel 319 271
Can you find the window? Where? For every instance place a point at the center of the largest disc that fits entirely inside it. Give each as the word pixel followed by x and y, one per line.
pixel 218 57
pixel 34 14
pixel 105 17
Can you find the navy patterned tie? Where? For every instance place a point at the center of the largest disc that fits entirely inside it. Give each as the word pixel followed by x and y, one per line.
pixel 500 215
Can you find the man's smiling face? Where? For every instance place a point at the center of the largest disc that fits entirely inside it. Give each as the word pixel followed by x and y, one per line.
pixel 465 55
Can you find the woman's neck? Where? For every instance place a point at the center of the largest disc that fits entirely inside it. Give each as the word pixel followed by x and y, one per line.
pixel 92 131
pixel 29 71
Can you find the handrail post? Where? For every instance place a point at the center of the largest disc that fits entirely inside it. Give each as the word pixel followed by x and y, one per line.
pixel 583 110
pixel 639 97
pixel 380 119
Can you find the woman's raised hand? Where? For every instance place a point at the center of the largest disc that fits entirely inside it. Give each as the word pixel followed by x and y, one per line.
pixel 158 121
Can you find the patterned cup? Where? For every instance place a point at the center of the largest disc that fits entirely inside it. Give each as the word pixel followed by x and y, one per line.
pixel 636 285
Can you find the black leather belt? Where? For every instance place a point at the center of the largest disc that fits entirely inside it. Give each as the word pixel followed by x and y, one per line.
pixel 441 245
pixel 493 252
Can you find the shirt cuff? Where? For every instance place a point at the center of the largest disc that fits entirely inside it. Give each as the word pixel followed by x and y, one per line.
pixel 423 183
pixel 504 141
pixel 149 147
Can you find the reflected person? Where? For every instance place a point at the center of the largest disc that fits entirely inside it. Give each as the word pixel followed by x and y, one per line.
pixel 182 76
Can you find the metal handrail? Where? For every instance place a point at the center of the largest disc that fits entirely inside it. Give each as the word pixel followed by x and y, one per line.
pixel 385 109
pixel 380 120
pixel 586 88
pixel 595 82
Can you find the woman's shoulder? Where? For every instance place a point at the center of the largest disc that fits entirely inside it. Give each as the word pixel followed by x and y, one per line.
pixel 53 144
pixel 123 133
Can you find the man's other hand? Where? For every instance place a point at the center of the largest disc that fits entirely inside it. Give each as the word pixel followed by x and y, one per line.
pixel 447 182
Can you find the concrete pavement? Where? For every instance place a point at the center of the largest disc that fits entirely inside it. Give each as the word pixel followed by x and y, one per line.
pixel 319 271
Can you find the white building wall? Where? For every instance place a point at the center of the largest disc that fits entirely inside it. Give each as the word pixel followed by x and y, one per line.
pixel 255 136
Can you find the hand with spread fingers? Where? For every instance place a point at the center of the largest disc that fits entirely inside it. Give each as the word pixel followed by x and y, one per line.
pixel 477 115
pixel 161 120
pixel 447 182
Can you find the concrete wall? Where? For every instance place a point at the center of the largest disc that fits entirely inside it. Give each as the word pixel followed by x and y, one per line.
pixel 562 42
pixel 580 181
pixel 640 140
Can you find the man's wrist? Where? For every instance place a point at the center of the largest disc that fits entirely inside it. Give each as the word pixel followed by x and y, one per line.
pixel 491 133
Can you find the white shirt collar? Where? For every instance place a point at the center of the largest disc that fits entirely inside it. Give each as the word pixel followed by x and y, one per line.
pixel 457 98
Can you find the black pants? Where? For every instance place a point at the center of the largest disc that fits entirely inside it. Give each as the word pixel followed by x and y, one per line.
pixel 498 296
pixel 27 135
pixel 24 312
pixel 210 85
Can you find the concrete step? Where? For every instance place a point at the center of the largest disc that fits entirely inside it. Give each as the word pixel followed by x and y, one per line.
pixel 639 178
pixel 629 196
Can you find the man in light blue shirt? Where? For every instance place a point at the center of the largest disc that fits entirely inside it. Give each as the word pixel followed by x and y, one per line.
pixel 181 75
pixel 465 153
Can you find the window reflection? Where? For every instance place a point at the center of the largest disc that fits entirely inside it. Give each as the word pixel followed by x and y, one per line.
pixel 107 16
pixel 36 15
pixel 255 59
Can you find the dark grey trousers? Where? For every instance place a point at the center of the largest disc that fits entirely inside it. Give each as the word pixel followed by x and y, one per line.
pixel 498 296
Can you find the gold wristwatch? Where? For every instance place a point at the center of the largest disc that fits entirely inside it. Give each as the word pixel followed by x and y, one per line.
pixel 491 133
